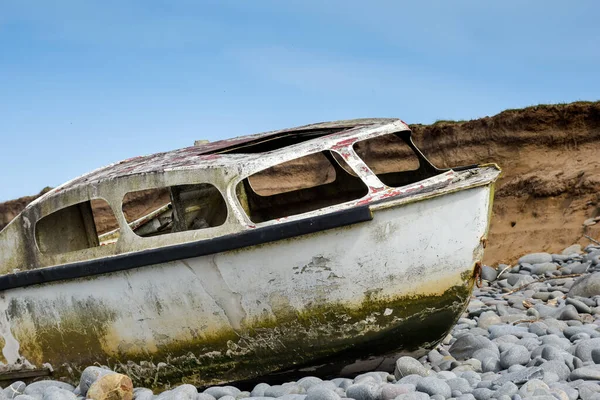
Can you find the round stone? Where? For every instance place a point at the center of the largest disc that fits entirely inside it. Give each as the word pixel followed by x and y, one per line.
pixel 409 366
pixel 433 386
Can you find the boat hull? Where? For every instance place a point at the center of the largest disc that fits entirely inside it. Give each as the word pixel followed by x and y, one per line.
pixel 392 285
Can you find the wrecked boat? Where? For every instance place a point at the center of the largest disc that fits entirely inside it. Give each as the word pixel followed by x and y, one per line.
pixel 328 249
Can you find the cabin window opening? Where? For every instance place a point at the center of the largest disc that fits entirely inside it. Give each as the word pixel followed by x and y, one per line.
pixel 173 209
pixel 298 186
pixel 81 226
pixel 391 158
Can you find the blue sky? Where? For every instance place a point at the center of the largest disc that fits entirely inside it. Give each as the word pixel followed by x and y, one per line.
pixel 86 83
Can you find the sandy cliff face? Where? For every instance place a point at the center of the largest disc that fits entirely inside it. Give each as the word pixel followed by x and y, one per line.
pixel 550 157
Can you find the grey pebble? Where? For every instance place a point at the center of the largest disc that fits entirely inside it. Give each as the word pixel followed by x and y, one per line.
pixel 508 389
pixel 483 393
pixel 460 384
pixel 586 286
pixel 530 387
pixel 413 396
pixel 465 346
pixel 54 393
pixel 432 386
pixel 503 330
pixel 219 391
pixel 324 394
pixel 568 312
pixel 308 381
pixel 342 383
pixel 37 389
pixel 487 319
pixel 26 397
pixel 535 258
pixel 204 396
pixel 14 389
pixel 140 393
pixel 516 354
pixel 408 366
pixel 391 391
pixel 259 390
pixel 488 273
pixel 583 349
pixel 362 391
pixel 591 372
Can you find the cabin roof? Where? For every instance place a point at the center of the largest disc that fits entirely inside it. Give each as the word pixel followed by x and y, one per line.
pixel 220 153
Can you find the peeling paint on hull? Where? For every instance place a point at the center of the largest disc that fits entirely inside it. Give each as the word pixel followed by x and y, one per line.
pixel 394 284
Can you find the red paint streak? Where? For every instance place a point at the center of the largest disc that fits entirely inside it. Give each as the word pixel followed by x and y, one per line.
pixel 365 201
pixel 345 143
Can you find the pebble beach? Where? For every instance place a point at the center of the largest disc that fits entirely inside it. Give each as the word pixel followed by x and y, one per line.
pixel 530 331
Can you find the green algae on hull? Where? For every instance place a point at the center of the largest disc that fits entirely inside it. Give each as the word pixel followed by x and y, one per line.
pixel 330 335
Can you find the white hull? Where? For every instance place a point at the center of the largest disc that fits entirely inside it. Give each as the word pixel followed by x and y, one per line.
pixel 395 283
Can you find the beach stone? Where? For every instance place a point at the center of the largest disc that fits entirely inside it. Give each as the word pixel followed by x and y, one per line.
pixel 535 258
pixel 571 393
pixel 583 349
pixel 595 354
pixel 586 286
pixel 141 393
pixel 327 394
pixel 409 366
pixel 488 273
pixel 362 391
pixel 467 396
pixel 410 379
pixel 487 319
pixel 90 375
pixel 508 389
pixel 556 341
pixel 580 268
pixel 37 389
pixel 472 377
pixel 342 383
pixel 259 389
pixel 521 376
pixel 482 393
pixel 591 372
pixel 541 269
pixel 391 391
pixel 220 391
pixel 14 389
pixel 308 381
pixel 55 393
pixel 413 396
pixel 464 347
pixel 589 390
pixel 568 313
pixel 460 384
pixel 528 389
pixel 503 330
pixel 433 386
pixel 24 397
pixel 112 387
pixel 515 355
pixel 573 249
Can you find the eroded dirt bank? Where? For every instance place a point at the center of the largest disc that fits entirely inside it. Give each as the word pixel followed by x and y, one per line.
pixel 550 156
